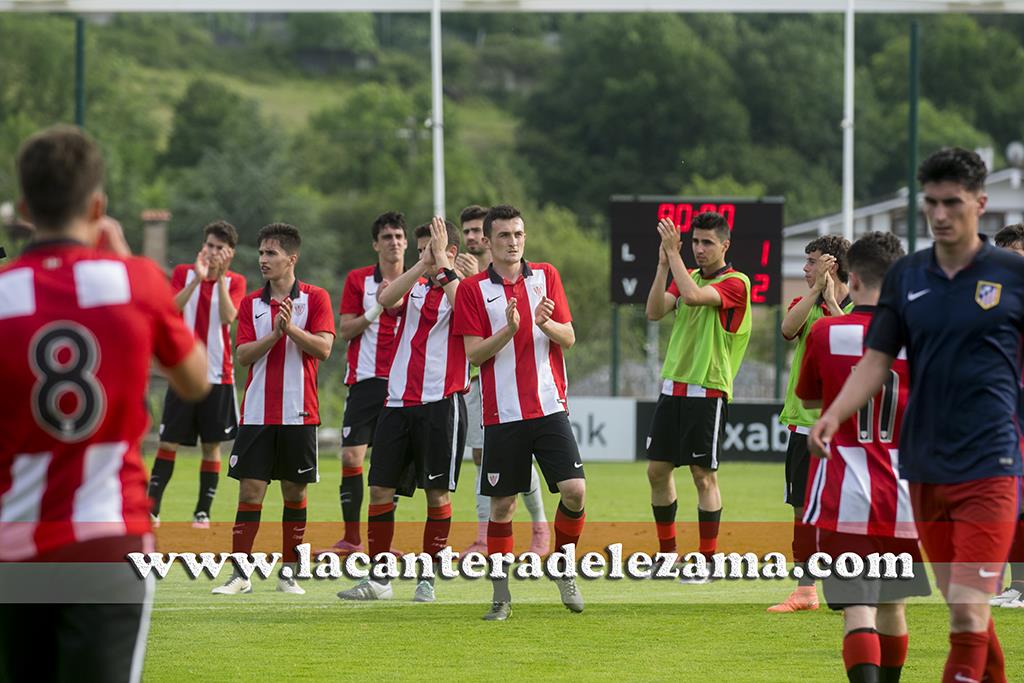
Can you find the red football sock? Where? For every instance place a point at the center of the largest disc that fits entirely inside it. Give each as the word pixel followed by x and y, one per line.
pixel 435 531
pixel 293 527
pixel 708 523
pixel 165 454
pixel 247 523
pixel 568 526
pixel 861 646
pixel 967 654
pixel 380 528
pixel 210 466
pixel 499 537
pixel 665 524
pixel 894 650
pixel 805 541
pixel 995 663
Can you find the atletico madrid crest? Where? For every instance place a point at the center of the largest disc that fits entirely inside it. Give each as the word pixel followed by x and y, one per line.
pixel 987 294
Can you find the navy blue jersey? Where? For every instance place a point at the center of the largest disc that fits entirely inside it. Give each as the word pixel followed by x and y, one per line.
pixel 963 342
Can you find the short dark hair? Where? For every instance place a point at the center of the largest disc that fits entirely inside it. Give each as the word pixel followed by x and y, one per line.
pixel 453 233
pixel 223 231
pixel 954 164
pixel 501 212
pixel 712 220
pixel 1010 235
pixel 872 255
pixel 59 169
pixel 836 246
pixel 388 219
pixel 286 235
pixel 471 213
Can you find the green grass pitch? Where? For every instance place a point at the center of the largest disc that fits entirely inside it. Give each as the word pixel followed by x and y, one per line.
pixel 630 630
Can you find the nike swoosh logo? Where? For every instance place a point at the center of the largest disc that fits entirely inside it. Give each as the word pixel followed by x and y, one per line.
pixel 228 430
pixel 413 296
pixel 914 296
pixel 964 679
pixel 432 477
pixel 577 465
pixel 308 469
pixel 261 315
pixel 986 574
pixel 491 301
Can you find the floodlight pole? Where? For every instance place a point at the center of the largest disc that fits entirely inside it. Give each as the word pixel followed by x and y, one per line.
pixel 847 126
pixel 437 117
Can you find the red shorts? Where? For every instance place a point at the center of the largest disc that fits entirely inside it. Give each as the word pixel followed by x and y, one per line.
pixel 966 529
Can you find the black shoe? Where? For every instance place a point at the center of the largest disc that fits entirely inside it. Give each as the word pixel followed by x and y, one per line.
pixel 500 611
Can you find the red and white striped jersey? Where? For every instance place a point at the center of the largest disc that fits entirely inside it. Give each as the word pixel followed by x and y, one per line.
pixel 79 327
pixel 857 491
pixel 281 388
pixel 430 361
pixel 526 379
pixel 202 315
pixel 369 354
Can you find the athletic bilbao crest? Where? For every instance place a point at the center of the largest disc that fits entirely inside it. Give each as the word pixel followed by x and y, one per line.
pixel 538 290
pixel 345 431
pixel 492 478
pixel 299 308
pixel 233 460
pixel 987 294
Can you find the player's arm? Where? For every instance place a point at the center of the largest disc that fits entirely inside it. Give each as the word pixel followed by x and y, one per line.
pixel 250 352
pixel 389 296
pixel 439 252
pixel 318 340
pixel 562 334
pixel 866 380
pixel 316 344
pixel 796 316
pixel 188 378
pixel 659 301
pixel 689 292
pixel 112 233
pixel 202 270
pixel 353 325
pixel 225 303
pixel 479 349
pixel 809 388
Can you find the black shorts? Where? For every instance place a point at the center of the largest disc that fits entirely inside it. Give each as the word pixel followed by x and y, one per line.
pixel 798 462
pixel 362 408
pixel 419 446
pixel 506 467
pixel 212 420
pixel 275 452
pixel 76 641
pixel 841 593
pixel 687 431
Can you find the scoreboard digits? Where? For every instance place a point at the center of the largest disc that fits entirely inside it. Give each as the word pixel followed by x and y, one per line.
pixel 755 249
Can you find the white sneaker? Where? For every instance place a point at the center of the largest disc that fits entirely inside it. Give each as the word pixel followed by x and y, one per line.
pixel 367 590
pixel 201 520
pixel 154 520
pixel 235 585
pixel 1008 595
pixel 694 581
pixel 1014 604
pixel 289 586
pixel 571 597
pixel 424 592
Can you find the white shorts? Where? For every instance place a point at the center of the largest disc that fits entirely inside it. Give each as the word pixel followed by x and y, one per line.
pixel 474 416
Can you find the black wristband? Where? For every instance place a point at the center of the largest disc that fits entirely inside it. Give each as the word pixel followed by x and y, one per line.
pixel 446 275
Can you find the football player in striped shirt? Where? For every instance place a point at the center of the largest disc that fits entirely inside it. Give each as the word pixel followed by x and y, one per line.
pixel 515 322
pixel 421 433
pixel 371 332
pixel 208 295
pixel 284 330
pixel 826 275
pixel 475 260
pixel 79 327
pixel 855 498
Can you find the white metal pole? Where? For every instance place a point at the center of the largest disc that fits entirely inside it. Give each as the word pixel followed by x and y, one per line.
pixel 848 127
pixel 437 117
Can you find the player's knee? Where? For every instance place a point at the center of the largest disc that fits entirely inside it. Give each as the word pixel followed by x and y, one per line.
pixel 968 617
pixel 658 473
pixel 168 446
pixel 503 508
pixel 380 495
pixel 704 480
pixel 353 456
pixel 573 493
pixel 251 491
pixel 293 492
pixel 211 453
pixel 437 497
